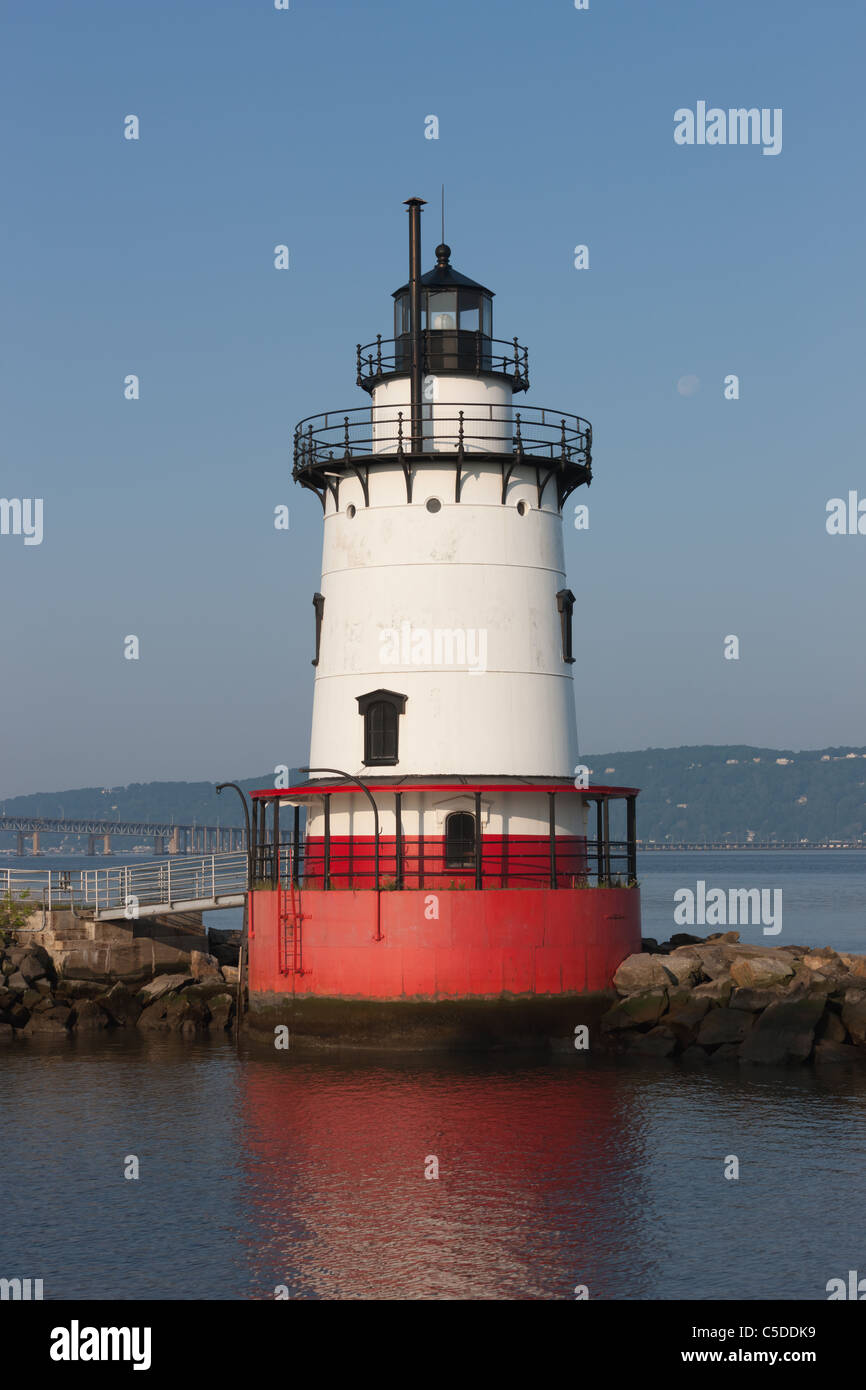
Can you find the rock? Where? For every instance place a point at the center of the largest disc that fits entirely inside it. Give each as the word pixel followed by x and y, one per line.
pixel 31 998
pixel 87 1016
pixel 854 1015
pixel 717 991
pixel 18 1016
pixel 153 1017
pixel 221 1007
pixel 163 984
pixel 54 1021
pixel 7 1032
pixel 753 1000
pixel 120 1006
pixel 640 973
pixel 43 987
pixel 695 1056
pixel 831 1028
pixel 658 1042
pixel 784 1033
pixel 685 1020
pixel 760 972
pixel 186 1015
pixel 855 964
pixel 231 974
pixel 41 1006
pixel 17 982
pixel 204 967
pixel 683 938
pixel 728 1052
pixel 32 969
pixel 835 1052
pixel 7 998
pixel 715 963
pixel 726 936
pixel 637 1009
pixel 7 966
pixel 685 966
pixel 724 1026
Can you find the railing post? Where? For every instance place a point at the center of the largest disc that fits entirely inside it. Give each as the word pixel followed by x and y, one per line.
pixel 552 823
pixel 275 866
pixel 599 841
pixel 326 862
pixel 169 882
pixel 296 844
pixel 631 837
pixel 398 837
pixel 479 883
pixel 607 840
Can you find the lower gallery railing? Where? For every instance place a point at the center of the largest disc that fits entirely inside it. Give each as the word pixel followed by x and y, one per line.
pixel 504 862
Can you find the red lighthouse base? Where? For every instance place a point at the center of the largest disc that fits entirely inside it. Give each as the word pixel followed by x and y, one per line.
pixel 457 968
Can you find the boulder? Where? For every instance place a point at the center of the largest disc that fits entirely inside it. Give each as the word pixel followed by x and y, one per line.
pixel 695 1056
pixel 163 984
pixel 684 938
pixel 17 982
pixel 854 1015
pixel 753 1000
pixel 53 1021
pixel 153 1017
pixel 715 962
pixel 31 998
pixel 658 1042
pixel 784 1033
pixel 32 969
pixel 760 972
pixel 836 1052
pixel 855 964
pixel 685 966
pixel 120 1006
pixel 636 1010
pixel 231 974
pixel 18 1016
pixel 685 1019
pixel 185 1014
pixel 640 973
pixel 221 1007
pixel 7 1032
pixel 728 1052
pixel 726 936
pixel 203 966
pixel 725 1026
pixel 717 991
pixel 831 1028
pixel 87 1016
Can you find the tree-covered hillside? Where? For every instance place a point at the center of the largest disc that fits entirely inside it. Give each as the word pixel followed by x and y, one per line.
pixel 741 793
pixel 694 794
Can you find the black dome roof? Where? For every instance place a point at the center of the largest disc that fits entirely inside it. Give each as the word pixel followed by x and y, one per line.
pixel 443 276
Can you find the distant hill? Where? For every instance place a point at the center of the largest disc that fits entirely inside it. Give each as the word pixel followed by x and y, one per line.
pixel 741 793
pixel 697 794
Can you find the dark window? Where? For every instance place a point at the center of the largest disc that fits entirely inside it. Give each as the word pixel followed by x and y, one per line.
pixel 459 840
pixel 319 605
pixel 565 604
pixel 381 711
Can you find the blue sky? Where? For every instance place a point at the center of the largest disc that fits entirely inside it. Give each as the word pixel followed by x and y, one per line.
pixel 306 127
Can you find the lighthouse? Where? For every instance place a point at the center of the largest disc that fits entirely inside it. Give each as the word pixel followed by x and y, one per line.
pixel 448 873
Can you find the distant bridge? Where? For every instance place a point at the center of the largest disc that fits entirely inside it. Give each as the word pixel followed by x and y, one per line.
pixel 647 846
pixel 180 839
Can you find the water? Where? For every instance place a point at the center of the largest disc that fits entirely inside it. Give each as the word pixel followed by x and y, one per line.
pixel 263 1169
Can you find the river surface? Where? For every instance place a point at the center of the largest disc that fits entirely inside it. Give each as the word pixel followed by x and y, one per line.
pixel 263 1171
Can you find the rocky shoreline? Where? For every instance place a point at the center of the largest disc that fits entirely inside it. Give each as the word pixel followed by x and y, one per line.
pixel 694 1000
pixel 37 1001
pixel 712 1000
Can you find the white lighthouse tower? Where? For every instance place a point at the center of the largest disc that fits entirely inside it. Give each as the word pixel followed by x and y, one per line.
pixel 444 742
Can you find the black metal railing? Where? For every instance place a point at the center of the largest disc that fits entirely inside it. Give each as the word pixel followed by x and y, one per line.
pixel 517 862
pixel 444 351
pixel 375 433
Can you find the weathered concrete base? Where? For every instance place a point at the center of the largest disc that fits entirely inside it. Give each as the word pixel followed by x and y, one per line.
pixel 519 1023
pixel 131 952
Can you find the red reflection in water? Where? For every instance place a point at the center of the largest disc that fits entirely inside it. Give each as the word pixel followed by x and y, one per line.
pixel 528 1196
